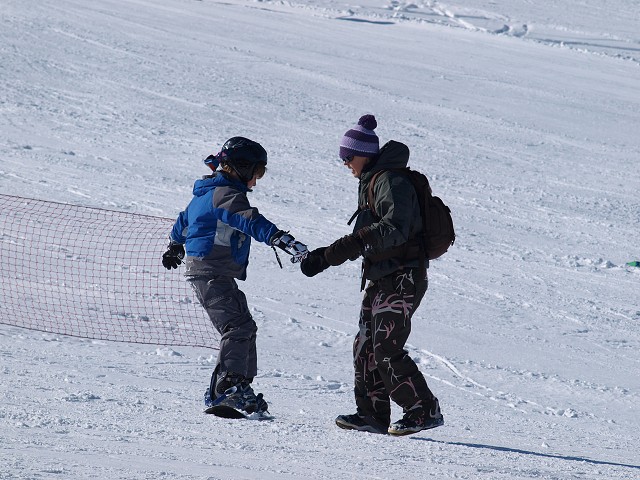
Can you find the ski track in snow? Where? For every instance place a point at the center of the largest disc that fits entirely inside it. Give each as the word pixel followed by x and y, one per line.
pixel 525 118
pixel 459 380
pixel 486 18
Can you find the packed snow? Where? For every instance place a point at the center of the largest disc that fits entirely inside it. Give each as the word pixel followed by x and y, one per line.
pixel 525 116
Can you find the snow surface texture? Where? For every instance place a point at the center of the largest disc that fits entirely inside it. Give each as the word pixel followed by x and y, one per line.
pixel 526 118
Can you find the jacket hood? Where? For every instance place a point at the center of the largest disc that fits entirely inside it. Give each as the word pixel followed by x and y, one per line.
pixel 209 182
pixel 392 155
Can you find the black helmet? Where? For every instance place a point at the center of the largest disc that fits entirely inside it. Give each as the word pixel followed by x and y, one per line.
pixel 243 156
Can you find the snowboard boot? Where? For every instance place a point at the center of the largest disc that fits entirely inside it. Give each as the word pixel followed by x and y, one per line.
pixel 361 423
pixel 418 418
pixel 234 391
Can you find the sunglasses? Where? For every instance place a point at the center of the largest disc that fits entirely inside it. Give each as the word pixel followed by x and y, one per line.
pixel 347 159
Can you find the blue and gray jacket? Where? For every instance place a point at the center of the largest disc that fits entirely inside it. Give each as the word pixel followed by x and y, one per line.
pixel 217 226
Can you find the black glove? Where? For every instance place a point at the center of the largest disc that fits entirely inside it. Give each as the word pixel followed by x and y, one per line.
pixel 173 256
pixel 346 248
pixel 314 263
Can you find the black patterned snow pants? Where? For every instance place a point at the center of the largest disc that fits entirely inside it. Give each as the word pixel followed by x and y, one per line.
pixel 383 368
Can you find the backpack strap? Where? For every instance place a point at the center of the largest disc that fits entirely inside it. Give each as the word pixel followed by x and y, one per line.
pixel 355 214
pixel 370 198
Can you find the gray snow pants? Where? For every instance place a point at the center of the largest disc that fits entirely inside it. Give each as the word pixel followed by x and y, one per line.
pixel 227 308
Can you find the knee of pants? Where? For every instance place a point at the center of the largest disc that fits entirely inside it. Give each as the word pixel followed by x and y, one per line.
pixel 243 331
pixel 385 358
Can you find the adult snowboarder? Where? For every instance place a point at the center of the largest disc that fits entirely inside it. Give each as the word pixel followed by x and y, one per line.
pixel 383 235
pixel 216 228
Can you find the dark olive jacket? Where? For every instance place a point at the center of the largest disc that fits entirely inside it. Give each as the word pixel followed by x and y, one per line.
pixel 395 218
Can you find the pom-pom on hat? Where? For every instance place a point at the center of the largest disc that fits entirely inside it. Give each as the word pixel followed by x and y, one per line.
pixel 361 140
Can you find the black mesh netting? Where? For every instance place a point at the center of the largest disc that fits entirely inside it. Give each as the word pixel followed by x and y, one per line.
pixel 94 273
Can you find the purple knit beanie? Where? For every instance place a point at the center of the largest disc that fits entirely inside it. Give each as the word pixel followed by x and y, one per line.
pixel 361 139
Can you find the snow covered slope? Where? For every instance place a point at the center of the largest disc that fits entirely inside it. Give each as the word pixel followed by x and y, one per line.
pixel 526 119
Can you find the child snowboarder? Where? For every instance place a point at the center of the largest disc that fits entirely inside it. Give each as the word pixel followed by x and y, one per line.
pixel 216 228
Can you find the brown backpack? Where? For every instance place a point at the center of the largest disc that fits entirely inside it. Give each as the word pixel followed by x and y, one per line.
pixel 437 233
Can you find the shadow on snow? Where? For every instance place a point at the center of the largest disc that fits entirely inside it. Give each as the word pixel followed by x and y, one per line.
pixel 527 452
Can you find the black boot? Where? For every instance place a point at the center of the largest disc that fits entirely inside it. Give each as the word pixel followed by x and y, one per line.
pixel 418 418
pixel 237 393
pixel 361 423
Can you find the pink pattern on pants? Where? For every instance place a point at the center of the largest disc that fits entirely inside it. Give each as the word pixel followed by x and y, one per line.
pixel 384 370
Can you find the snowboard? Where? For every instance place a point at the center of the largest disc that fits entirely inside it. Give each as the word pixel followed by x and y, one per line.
pixel 224 411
